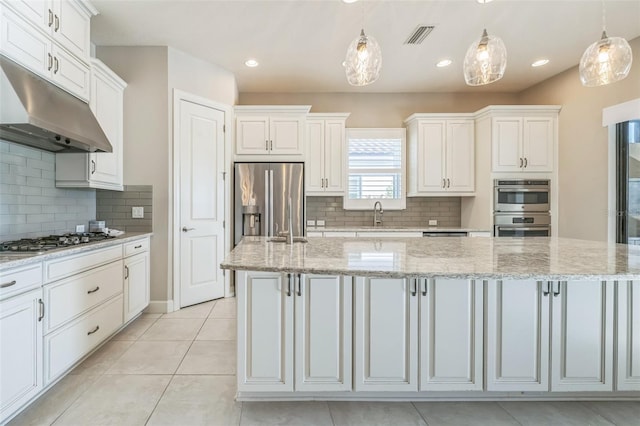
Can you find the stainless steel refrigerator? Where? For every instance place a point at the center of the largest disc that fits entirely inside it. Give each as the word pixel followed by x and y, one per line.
pixel 261 195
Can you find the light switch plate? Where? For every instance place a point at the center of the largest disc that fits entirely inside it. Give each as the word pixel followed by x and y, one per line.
pixel 320 222
pixel 433 222
pixel 311 223
pixel 137 212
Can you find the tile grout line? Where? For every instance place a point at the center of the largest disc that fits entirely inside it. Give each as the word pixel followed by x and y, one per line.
pixel 159 399
pixel 419 413
pixel 333 422
pixel 596 412
pixel 508 412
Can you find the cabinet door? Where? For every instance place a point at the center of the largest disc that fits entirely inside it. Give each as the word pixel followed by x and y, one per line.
pixel 431 156
pixel 70 73
pixel 285 135
pixel 71 27
pixel 315 162
pixel 323 333
pixel 20 351
pixel 19 42
pixel 628 336
pixel 265 331
pixel 136 285
pixel 252 135
pixel 36 12
pixel 582 342
pixel 537 144
pixel 386 334
pixel 506 144
pixel 334 157
pixel 460 169
pixel 517 336
pixel 451 335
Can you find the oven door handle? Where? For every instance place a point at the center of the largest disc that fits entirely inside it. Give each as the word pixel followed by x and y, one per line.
pixel 520 228
pixel 522 190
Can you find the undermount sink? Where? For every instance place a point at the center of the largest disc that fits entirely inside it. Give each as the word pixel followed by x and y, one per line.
pixel 284 239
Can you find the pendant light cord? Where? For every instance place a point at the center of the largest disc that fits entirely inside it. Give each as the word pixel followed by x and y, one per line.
pixel 363 14
pixel 604 12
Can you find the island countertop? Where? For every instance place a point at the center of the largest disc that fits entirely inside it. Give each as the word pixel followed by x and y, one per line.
pixel 536 258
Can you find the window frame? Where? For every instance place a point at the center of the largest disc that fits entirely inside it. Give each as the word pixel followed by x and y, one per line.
pixel 377 133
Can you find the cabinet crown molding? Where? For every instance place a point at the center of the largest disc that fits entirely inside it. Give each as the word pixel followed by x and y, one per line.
pixel 439 116
pixel 261 109
pixel 518 110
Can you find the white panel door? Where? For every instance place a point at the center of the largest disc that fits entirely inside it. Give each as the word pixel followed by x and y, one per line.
pixel 506 144
pixel 628 336
pixel 518 336
pixel 334 156
pixel 20 351
pixel 252 135
pixel 323 315
pixel 71 27
pixel 451 335
pixel 315 164
pixel 431 156
pixel 537 144
pixel 136 285
pixel 285 135
pixel 582 339
pixel 201 198
pixel 265 331
pixel 386 334
pixel 460 168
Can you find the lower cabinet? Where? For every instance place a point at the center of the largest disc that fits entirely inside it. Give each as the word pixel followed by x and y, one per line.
pixel 628 378
pixel 136 285
pixel 21 345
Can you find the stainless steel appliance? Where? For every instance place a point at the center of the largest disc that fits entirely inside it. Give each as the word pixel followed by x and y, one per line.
pixel 261 194
pixel 522 225
pixel 520 195
pixel 445 234
pixel 41 244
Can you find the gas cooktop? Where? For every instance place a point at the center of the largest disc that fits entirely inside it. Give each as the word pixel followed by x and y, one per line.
pixel 42 244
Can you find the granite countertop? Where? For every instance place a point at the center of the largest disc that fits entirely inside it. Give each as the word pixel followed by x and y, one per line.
pixel 393 229
pixel 442 257
pixel 13 260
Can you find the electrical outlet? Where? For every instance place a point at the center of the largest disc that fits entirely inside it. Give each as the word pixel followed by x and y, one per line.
pixel 311 223
pixel 320 222
pixel 137 212
pixel 433 222
pixel 79 228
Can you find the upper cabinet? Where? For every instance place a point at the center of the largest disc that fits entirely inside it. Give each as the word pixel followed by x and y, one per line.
pixel 441 154
pixel 102 169
pixel 50 38
pixel 270 130
pixel 325 154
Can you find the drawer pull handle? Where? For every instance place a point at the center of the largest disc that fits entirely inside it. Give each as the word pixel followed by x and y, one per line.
pixel 9 284
pixel 94 330
pixel 94 290
pixel 57 26
pixel 137 247
pixel 126 272
pixel 50 17
pixel 41 303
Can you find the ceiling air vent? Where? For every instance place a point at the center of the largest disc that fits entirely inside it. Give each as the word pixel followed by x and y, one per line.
pixel 420 33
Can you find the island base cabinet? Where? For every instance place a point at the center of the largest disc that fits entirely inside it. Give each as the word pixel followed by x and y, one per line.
pixel 582 337
pixel 451 326
pixel 386 334
pixel 265 331
pixel 628 336
pixel 518 336
pixel 21 343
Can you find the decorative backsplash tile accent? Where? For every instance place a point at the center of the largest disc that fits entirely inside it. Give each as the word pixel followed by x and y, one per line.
pixel 114 207
pixel 446 210
pixel 30 204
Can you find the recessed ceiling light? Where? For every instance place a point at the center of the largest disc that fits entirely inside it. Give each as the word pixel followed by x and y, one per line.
pixel 443 63
pixel 540 62
pixel 251 63
pixel 349 1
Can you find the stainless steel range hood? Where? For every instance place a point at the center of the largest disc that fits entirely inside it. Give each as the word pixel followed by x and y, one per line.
pixel 37 113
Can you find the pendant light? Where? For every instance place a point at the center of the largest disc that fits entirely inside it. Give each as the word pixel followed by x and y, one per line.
pixel 364 59
pixel 485 61
pixel 606 61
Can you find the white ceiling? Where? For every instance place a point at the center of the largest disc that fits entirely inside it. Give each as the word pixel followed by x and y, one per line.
pixel 301 44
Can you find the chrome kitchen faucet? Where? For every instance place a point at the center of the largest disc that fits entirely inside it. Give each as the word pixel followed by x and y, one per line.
pixel 377 214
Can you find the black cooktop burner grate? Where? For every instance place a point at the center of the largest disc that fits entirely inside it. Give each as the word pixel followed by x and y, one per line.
pixel 51 242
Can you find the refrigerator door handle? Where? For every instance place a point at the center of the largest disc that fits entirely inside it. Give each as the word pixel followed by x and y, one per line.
pixel 271 201
pixel 267 230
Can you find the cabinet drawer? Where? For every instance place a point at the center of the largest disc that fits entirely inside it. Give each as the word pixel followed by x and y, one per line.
pixel 63 267
pixel 66 346
pixel 136 247
pixel 18 280
pixel 71 297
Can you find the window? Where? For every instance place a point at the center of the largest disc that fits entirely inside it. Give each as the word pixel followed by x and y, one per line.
pixel 375 169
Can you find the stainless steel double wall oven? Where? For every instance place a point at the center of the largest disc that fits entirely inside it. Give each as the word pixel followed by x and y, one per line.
pixel 521 208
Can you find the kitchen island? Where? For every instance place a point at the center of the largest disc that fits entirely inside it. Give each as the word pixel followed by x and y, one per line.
pixel 437 318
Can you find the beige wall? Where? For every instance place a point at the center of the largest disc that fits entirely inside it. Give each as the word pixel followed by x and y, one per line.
pixel 152 73
pixel 583 145
pixel 381 109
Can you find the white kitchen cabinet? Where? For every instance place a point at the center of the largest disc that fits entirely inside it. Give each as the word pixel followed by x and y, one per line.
pixel 325 154
pixel 523 144
pixel 270 130
pixel 582 336
pixel 451 335
pixel 323 313
pixel 386 334
pixel 103 170
pixel 628 361
pixel 390 234
pixel 21 345
pixel 265 331
pixel 441 157
pixel 136 285
pixel 518 336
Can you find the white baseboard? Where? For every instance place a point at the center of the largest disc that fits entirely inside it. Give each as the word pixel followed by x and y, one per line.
pixel 159 307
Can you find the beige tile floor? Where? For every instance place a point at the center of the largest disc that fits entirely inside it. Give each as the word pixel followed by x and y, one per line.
pixel 179 369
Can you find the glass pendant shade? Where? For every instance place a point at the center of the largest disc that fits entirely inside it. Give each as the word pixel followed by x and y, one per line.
pixel 606 61
pixel 485 61
pixel 364 60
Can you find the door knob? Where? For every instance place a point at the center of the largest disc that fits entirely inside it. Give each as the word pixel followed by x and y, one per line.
pixel 185 229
